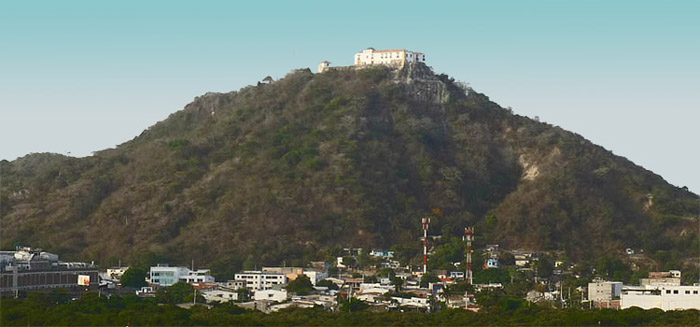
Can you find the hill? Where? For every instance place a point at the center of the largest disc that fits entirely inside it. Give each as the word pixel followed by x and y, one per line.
pixel 298 168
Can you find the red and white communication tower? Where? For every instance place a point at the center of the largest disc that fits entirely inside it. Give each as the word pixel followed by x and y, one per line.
pixel 468 237
pixel 425 222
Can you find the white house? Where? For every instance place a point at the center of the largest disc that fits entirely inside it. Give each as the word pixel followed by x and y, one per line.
pixel 661 297
pixel 164 275
pixel 394 57
pixel 259 280
pixel 419 302
pixel 198 276
pixel 219 295
pixel 271 295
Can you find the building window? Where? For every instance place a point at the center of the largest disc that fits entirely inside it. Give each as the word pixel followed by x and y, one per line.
pixel 668 291
pixel 687 292
pixel 695 292
pixel 675 291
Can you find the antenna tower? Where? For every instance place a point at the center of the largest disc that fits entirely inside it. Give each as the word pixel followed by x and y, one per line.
pixel 468 237
pixel 426 222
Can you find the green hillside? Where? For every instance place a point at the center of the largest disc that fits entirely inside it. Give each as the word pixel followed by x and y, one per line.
pixel 295 169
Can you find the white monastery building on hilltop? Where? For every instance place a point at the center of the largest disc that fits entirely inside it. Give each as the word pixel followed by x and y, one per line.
pixel 396 57
pixel 371 57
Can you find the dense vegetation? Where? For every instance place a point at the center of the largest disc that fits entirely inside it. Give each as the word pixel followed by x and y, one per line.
pixel 296 169
pixel 57 309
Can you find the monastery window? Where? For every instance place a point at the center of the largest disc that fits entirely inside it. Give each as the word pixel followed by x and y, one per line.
pixel 695 292
pixel 668 291
pixel 687 292
pixel 675 291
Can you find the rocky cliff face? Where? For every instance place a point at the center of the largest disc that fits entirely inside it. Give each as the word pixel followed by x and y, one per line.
pixel 295 169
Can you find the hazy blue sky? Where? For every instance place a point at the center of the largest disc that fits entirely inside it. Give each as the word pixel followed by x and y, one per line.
pixel 81 76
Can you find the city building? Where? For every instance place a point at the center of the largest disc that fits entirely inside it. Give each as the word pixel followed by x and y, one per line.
pixel 220 294
pixel 164 275
pixel 198 276
pixel 604 294
pixel 33 269
pixel 661 297
pixel 603 291
pixel 670 278
pixel 259 280
pixel 293 272
pixel 271 295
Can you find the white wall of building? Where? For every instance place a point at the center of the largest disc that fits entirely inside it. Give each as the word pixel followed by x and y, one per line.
pixel 395 57
pixel 600 291
pixel 662 297
pixel 219 295
pixel 166 276
pixel 258 280
pixel 198 276
pixel 270 295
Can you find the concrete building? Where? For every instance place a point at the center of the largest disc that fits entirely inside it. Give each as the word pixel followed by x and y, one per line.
pixel 116 273
pixel 395 57
pixel 198 276
pixel 32 269
pixel 323 66
pixel 271 295
pixel 670 278
pixel 293 272
pixel 164 275
pixel 220 295
pixel 604 291
pixel 661 297
pixel 259 280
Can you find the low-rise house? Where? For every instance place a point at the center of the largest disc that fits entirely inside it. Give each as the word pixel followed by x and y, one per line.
pixel 198 276
pixel 369 292
pixel 220 295
pixel 293 272
pixel 274 295
pixel 670 278
pixel 491 263
pixel 419 302
pixel 383 254
pixel 235 284
pixel 457 274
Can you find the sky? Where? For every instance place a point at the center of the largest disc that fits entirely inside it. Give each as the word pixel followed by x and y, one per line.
pixel 82 76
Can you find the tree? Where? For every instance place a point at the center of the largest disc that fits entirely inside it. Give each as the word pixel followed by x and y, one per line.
pixel 370 279
pixel 134 277
pixel 349 261
pixel 301 285
pixel 428 278
pixel 544 267
pixel 506 259
pixel 327 283
pixel 397 282
pixel 177 293
pixel 353 305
